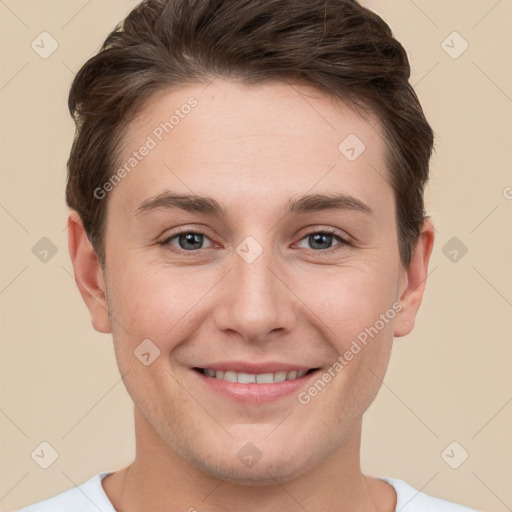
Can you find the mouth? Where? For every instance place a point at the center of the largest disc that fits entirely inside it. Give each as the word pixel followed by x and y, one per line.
pixel 255 378
pixel 254 384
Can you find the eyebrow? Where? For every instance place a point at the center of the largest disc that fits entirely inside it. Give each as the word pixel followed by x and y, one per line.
pixel 207 205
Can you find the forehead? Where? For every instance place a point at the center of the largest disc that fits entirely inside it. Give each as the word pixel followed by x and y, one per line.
pixel 273 139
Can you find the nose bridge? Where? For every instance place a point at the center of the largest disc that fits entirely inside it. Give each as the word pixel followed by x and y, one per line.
pixel 255 302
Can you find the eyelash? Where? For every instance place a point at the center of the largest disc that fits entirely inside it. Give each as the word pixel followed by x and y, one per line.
pixel 327 231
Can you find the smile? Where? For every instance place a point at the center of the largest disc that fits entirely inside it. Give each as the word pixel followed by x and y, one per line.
pixel 251 378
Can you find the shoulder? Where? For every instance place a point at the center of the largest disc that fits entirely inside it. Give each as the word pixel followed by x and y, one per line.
pixel 410 499
pixel 87 497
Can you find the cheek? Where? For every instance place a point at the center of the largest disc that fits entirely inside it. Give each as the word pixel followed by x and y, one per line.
pixel 351 300
pixel 157 302
pixel 145 294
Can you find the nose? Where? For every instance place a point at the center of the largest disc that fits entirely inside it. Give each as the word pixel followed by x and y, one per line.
pixel 256 300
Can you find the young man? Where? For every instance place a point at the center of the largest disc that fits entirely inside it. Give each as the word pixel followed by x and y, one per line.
pixel 247 191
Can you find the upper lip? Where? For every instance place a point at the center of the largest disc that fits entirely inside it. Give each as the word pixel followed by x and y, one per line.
pixel 252 368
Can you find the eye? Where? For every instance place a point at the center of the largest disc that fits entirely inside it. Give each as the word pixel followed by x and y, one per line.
pixel 322 240
pixel 186 240
pixel 192 241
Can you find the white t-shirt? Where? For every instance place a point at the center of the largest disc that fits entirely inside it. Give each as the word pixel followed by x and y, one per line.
pixel 90 497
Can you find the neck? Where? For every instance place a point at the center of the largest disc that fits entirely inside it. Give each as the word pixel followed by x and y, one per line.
pixel 160 480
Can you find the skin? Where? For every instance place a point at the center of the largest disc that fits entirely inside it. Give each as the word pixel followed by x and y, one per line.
pixel 252 148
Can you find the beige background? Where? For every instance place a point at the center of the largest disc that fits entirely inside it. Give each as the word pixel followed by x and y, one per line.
pixel 449 380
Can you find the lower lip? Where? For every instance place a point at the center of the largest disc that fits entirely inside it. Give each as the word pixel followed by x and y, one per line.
pixel 256 393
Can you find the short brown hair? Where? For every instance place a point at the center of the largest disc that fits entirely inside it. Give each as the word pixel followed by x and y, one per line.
pixel 338 46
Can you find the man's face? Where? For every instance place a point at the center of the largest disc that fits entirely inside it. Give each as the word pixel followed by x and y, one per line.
pixel 259 289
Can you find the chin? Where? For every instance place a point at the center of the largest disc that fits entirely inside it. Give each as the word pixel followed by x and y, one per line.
pixel 244 464
pixel 260 475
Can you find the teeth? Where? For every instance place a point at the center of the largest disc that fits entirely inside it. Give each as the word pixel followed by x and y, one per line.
pixel 246 378
pixel 265 378
pixel 250 378
pixel 229 376
pixel 279 376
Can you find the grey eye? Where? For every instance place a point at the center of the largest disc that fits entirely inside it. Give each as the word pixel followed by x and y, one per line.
pixel 321 240
pixel 188 240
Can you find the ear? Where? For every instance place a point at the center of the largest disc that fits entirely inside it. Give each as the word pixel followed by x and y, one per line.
pixel 88 273
pixel 414 280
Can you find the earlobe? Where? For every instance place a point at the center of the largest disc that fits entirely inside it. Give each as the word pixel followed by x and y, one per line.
pixel 88 273
pixel 414 281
